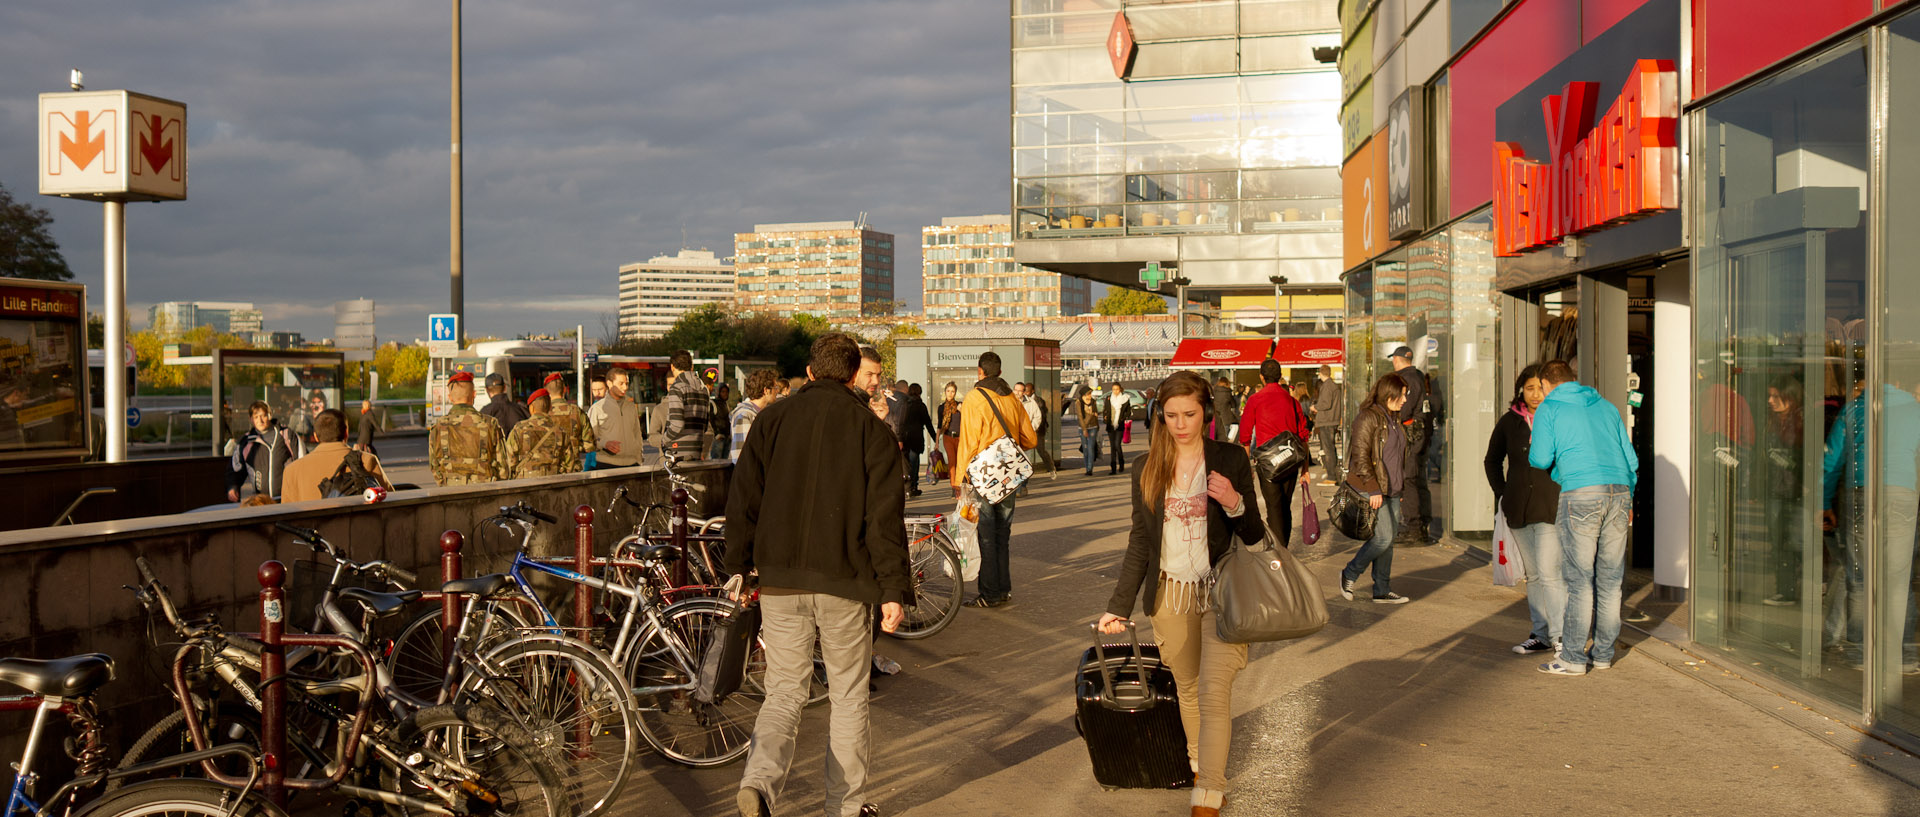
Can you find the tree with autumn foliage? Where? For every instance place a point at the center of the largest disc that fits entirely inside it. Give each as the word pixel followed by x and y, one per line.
pixel 1124 301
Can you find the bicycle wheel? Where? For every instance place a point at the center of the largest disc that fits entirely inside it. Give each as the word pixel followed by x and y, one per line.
pixel 179 798
pixel 573 701
pixel 681 729
pixel 756 682
pixel 416 660
pixel 230 723
pixel 936 590
pixel 477 752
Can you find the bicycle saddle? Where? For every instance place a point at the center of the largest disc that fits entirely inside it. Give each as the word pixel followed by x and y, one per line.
pixel 59 677
pixel 488 585
pixel 660 553
pixel 382 604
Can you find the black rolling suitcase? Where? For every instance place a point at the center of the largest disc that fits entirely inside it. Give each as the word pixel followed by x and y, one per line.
pixel 1126 710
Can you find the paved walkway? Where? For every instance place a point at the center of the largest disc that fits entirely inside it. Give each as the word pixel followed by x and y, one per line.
pixel 1418 709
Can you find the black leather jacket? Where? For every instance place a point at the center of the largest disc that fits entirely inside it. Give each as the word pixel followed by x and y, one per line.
pixel 1366 444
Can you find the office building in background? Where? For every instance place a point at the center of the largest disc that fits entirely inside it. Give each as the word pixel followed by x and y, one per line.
pixel 968 274
pixel 840 270
pixel 655 294
pixel 226 317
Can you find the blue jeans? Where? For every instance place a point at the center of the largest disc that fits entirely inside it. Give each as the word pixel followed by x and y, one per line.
pixel 1546 589
pixel 996 530
pixel 1089 450
pixel 1897 567
pixel 1593 537
pixel 1378 551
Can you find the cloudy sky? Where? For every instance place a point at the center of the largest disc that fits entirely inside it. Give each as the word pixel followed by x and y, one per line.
pixel 596 131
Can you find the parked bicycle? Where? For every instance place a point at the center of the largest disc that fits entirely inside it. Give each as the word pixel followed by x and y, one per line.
pixel 446 760
pixel 65 687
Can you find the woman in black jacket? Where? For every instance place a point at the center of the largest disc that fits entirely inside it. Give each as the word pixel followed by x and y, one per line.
pixel 1191 497
pixel 1530 499
pixel 1377 467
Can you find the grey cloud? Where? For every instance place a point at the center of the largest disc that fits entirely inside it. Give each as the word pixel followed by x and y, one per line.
pixel 595 132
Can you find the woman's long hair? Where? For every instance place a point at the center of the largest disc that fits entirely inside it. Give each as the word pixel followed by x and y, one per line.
pixel 1384 389
pixel 1157 472
pixel 1520 385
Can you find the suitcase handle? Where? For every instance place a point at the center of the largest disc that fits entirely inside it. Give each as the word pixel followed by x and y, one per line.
pixel 1139 660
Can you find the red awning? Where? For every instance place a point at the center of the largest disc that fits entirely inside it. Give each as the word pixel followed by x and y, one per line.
pixel 1310 351
pixel 1221 353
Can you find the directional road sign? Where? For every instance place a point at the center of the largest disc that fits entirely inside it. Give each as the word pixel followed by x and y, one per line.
pixel 443 335
pixel 133 416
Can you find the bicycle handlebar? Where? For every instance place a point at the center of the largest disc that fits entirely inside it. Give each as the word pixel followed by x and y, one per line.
pixel 306 535
pixel 525 513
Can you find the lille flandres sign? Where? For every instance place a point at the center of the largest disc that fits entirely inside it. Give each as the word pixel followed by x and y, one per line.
pixel 1626 166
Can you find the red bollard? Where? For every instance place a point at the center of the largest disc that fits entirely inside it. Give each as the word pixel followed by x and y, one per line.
pixel 273 671
pixel 678 517
pixel 450 544
pixel 583 563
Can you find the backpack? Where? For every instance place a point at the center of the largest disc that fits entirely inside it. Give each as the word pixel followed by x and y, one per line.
pixel 350 479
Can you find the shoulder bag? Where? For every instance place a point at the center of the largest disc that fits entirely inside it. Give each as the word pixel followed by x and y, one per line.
pixel 1002 467
pixel 1351 513
pixel 1264 595
pixel 1276 458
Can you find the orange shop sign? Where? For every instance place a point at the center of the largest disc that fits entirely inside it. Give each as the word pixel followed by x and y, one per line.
pixel 1627 165
pixel 1363 200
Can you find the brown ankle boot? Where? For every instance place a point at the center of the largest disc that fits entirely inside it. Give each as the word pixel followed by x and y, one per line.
pixel 1205 811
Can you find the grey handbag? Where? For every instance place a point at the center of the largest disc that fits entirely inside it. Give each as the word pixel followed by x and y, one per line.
pixel 1264 595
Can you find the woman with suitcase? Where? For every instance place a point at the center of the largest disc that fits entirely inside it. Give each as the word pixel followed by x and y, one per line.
pixel 1191 498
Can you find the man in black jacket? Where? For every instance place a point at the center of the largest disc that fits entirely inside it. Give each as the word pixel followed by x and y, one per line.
pixel 1417 504
pixel 816 508
pixel 916 429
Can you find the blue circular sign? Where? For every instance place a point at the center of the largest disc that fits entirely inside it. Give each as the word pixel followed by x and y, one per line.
pixel 133 416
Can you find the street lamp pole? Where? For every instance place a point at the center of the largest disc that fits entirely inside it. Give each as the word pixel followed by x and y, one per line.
pixel 1277 281
pixel 454 261
pixel 1180 303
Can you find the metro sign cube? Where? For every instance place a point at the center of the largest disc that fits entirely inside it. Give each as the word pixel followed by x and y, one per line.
pixel 113 145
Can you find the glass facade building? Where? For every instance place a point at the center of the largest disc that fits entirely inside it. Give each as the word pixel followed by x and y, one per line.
pixel 967 273
pixel 1746 313
pixel 1199 136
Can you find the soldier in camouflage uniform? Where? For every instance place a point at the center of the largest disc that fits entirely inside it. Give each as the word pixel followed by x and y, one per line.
pixel 537 446
pixel 465 447
pixel 571 419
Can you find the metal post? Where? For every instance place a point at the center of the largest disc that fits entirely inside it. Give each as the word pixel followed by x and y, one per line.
pixel 678 519
pixel 579 363
pixel 454 261
pixel 450 569
pixel 115 368
pixel 583 563
pixel 273 688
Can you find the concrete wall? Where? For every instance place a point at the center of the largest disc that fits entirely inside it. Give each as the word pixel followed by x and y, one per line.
pixel 64 587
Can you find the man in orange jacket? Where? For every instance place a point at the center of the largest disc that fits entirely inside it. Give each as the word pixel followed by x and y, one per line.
pixel 979 428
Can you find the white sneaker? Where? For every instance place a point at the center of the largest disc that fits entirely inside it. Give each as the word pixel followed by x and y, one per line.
pixel 1346 589
pixel 1391 598
pixel 1558 667
pixel 1600 665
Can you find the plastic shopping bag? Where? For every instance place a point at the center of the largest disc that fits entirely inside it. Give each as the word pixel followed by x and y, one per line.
pixel 1508 569
pixel 964 526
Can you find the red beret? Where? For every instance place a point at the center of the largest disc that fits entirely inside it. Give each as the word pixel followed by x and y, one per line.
pixel 560 376
pixel 535 394
pixel 461 377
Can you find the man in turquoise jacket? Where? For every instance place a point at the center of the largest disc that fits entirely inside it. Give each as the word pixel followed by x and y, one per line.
pixel 1847 457
pixel 1580 437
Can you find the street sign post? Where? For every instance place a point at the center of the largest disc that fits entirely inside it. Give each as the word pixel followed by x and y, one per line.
pixel 443 335
pixel 113 147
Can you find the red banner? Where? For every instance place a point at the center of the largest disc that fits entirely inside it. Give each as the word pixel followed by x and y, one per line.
pixel 1221 353
pixel 34 302
pixel 1310 351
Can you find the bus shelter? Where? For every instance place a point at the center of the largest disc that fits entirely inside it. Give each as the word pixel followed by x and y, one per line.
pixel 287 380
pixel 935 362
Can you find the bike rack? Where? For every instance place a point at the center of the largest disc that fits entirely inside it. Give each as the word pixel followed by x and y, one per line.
pixel 273 673
pixel 451 542
pixel 583 564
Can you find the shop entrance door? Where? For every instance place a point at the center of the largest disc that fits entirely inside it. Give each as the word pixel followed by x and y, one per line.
pixel 1763 346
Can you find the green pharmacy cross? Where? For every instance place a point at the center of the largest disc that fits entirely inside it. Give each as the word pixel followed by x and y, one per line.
pixel 1152 275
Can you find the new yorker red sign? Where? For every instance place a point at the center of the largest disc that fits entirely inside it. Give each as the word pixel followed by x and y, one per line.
pixel 1627 165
